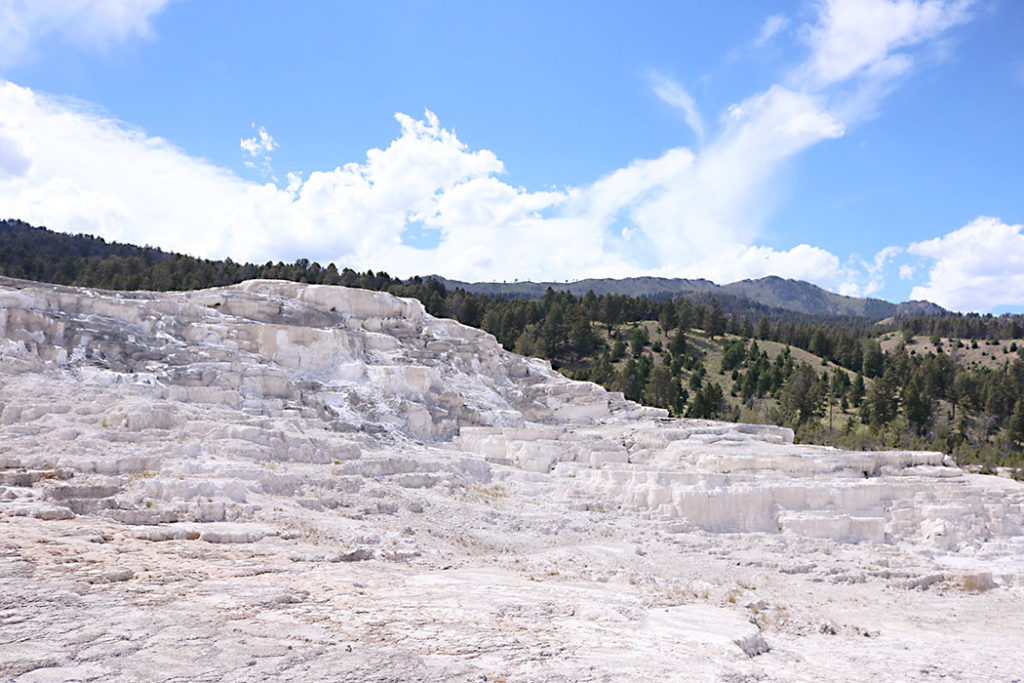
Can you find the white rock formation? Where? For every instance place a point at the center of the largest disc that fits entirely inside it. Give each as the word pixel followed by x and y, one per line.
pixel 283 481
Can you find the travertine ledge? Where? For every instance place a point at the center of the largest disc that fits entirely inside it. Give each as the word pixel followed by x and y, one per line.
pixel 275 480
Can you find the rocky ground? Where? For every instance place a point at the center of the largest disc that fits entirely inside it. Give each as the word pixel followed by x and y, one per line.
pixel 280 481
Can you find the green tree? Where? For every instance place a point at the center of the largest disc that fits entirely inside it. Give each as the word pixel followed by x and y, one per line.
pixel 821 343
pixel 668 318
pixel 802 394
pixel 715 322
pixel 840 383
pixel 708 402
pixel 638 340
pixel 734 354
pixel 1015 430
pixel 883 398
pixel 662 389
pixel 857 390
pixel 529 344
pixel 677 344
pixel 582 337
pixel 555 329
pixel 764 330
pixel 917 406
pixel 629 381
pixel 873 363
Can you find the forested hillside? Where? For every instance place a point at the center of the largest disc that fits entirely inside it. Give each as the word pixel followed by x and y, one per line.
pixel 953 382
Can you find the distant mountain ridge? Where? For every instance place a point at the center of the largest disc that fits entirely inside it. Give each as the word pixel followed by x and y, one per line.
pixel 772 291
pixel 630 286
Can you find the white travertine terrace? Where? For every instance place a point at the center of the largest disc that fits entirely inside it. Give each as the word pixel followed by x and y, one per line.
pixel 275 480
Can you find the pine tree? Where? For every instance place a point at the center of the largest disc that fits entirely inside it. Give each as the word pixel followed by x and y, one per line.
pixel 662 389
pixel 803 394
pixel 708 402
pixel 873 363
pixel 1015 430
pixel 857 391
pixel 917 406
pixel 715 320
pixel 884 398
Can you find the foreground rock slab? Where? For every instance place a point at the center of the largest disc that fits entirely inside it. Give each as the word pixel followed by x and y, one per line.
pixel 279 481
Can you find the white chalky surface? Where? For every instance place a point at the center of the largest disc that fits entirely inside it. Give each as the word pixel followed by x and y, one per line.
pixel 275 481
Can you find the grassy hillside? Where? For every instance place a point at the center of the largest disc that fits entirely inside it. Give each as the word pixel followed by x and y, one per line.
pixel 970 353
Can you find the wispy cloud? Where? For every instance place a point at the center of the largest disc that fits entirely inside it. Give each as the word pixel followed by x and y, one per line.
pixel 87 23
pixel 675 95
pixel 770 28
pixel 860 38
pixel 875 270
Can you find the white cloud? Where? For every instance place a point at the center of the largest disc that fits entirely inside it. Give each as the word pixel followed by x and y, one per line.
pixel 770 28
pixel 858 37
pixel 802 262
pixel 260 144
pixel 13 162
pixel 675 95
pixel 704 203
pixel 259 148
pixel 682 213
pixel 873 271
pixel 85 172
pixel 979 267
pixel 86 23
pixel 72 169
pixel 907 271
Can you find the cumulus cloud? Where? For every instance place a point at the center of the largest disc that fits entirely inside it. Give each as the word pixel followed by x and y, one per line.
pixel 93 174
pixel 13 162
pixel 979 267
pixel 89 173
pixel 86 23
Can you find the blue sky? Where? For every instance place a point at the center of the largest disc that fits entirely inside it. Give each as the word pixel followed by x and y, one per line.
pixel 870 146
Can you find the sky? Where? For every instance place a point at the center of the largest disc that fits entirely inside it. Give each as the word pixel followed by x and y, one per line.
pixel 872 147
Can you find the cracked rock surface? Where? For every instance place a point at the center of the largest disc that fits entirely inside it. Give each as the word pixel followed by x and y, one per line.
pixel 277 481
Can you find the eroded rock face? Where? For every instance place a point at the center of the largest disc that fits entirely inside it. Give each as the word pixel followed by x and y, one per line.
pixel 212 479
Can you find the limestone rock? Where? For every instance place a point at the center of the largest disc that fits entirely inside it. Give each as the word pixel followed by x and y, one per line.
pixel 277 481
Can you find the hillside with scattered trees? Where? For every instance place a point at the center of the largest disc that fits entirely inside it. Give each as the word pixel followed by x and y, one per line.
pixel 947 382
